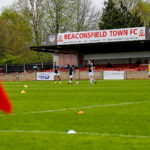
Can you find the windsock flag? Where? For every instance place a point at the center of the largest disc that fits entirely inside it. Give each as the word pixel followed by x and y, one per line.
pixel 5 104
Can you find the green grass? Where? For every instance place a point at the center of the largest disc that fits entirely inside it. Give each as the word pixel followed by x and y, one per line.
pixel 132 121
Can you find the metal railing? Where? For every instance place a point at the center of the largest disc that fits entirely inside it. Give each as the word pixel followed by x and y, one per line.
pixel 7 68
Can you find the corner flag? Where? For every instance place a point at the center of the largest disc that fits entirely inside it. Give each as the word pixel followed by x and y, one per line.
pixel 5 104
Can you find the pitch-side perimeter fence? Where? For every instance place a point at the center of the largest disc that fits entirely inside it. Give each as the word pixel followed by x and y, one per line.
pixel 7 68
pixel 79 75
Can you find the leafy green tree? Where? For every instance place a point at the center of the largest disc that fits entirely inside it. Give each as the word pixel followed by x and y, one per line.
pixel 32 10
pixel 117 15
pixel 18 35
pixel 16 38
pixel 143 8
pixel 3 36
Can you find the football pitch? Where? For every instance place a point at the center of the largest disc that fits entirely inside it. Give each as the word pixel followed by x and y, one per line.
pixel 116 116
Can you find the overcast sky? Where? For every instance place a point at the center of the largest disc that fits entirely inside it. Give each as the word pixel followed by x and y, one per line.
pixel 5 3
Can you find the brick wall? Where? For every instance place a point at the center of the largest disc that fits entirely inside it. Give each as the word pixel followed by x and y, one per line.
pixel 64 76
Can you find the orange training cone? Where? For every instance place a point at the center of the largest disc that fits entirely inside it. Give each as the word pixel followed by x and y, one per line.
pixel 80 112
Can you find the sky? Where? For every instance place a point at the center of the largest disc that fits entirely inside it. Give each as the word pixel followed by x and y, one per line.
pixel 5 3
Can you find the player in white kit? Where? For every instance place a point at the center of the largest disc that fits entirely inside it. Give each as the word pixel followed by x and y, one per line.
pixel 91 74
pixel 71 73
pixel 56 73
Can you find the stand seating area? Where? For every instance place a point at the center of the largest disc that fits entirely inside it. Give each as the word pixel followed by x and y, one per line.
pixel 115 67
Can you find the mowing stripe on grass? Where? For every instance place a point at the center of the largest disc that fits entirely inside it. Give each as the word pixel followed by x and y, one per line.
pixel 78 108
pixel 78 133
pixel 85 107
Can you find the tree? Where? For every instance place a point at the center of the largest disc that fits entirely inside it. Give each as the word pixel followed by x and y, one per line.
pixel 143 8
pixel 129 4
pixel 58 16
pixel 3 36
pixel 85 17
pixel 16 39
pixel 17 34
pixel 140 9
pixel 118 16
pixel 32 10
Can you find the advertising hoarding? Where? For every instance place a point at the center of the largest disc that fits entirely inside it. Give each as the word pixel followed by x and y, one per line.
pixel 45 76
pixel 113 75
pixel 114 35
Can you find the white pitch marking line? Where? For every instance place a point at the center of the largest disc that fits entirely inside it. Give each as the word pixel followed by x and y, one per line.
pixel 84 107
pixel 78 133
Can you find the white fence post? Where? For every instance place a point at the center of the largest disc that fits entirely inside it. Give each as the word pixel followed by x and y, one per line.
pixel 24 67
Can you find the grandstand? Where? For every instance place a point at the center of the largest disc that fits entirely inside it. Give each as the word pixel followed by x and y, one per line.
pixel 117 49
